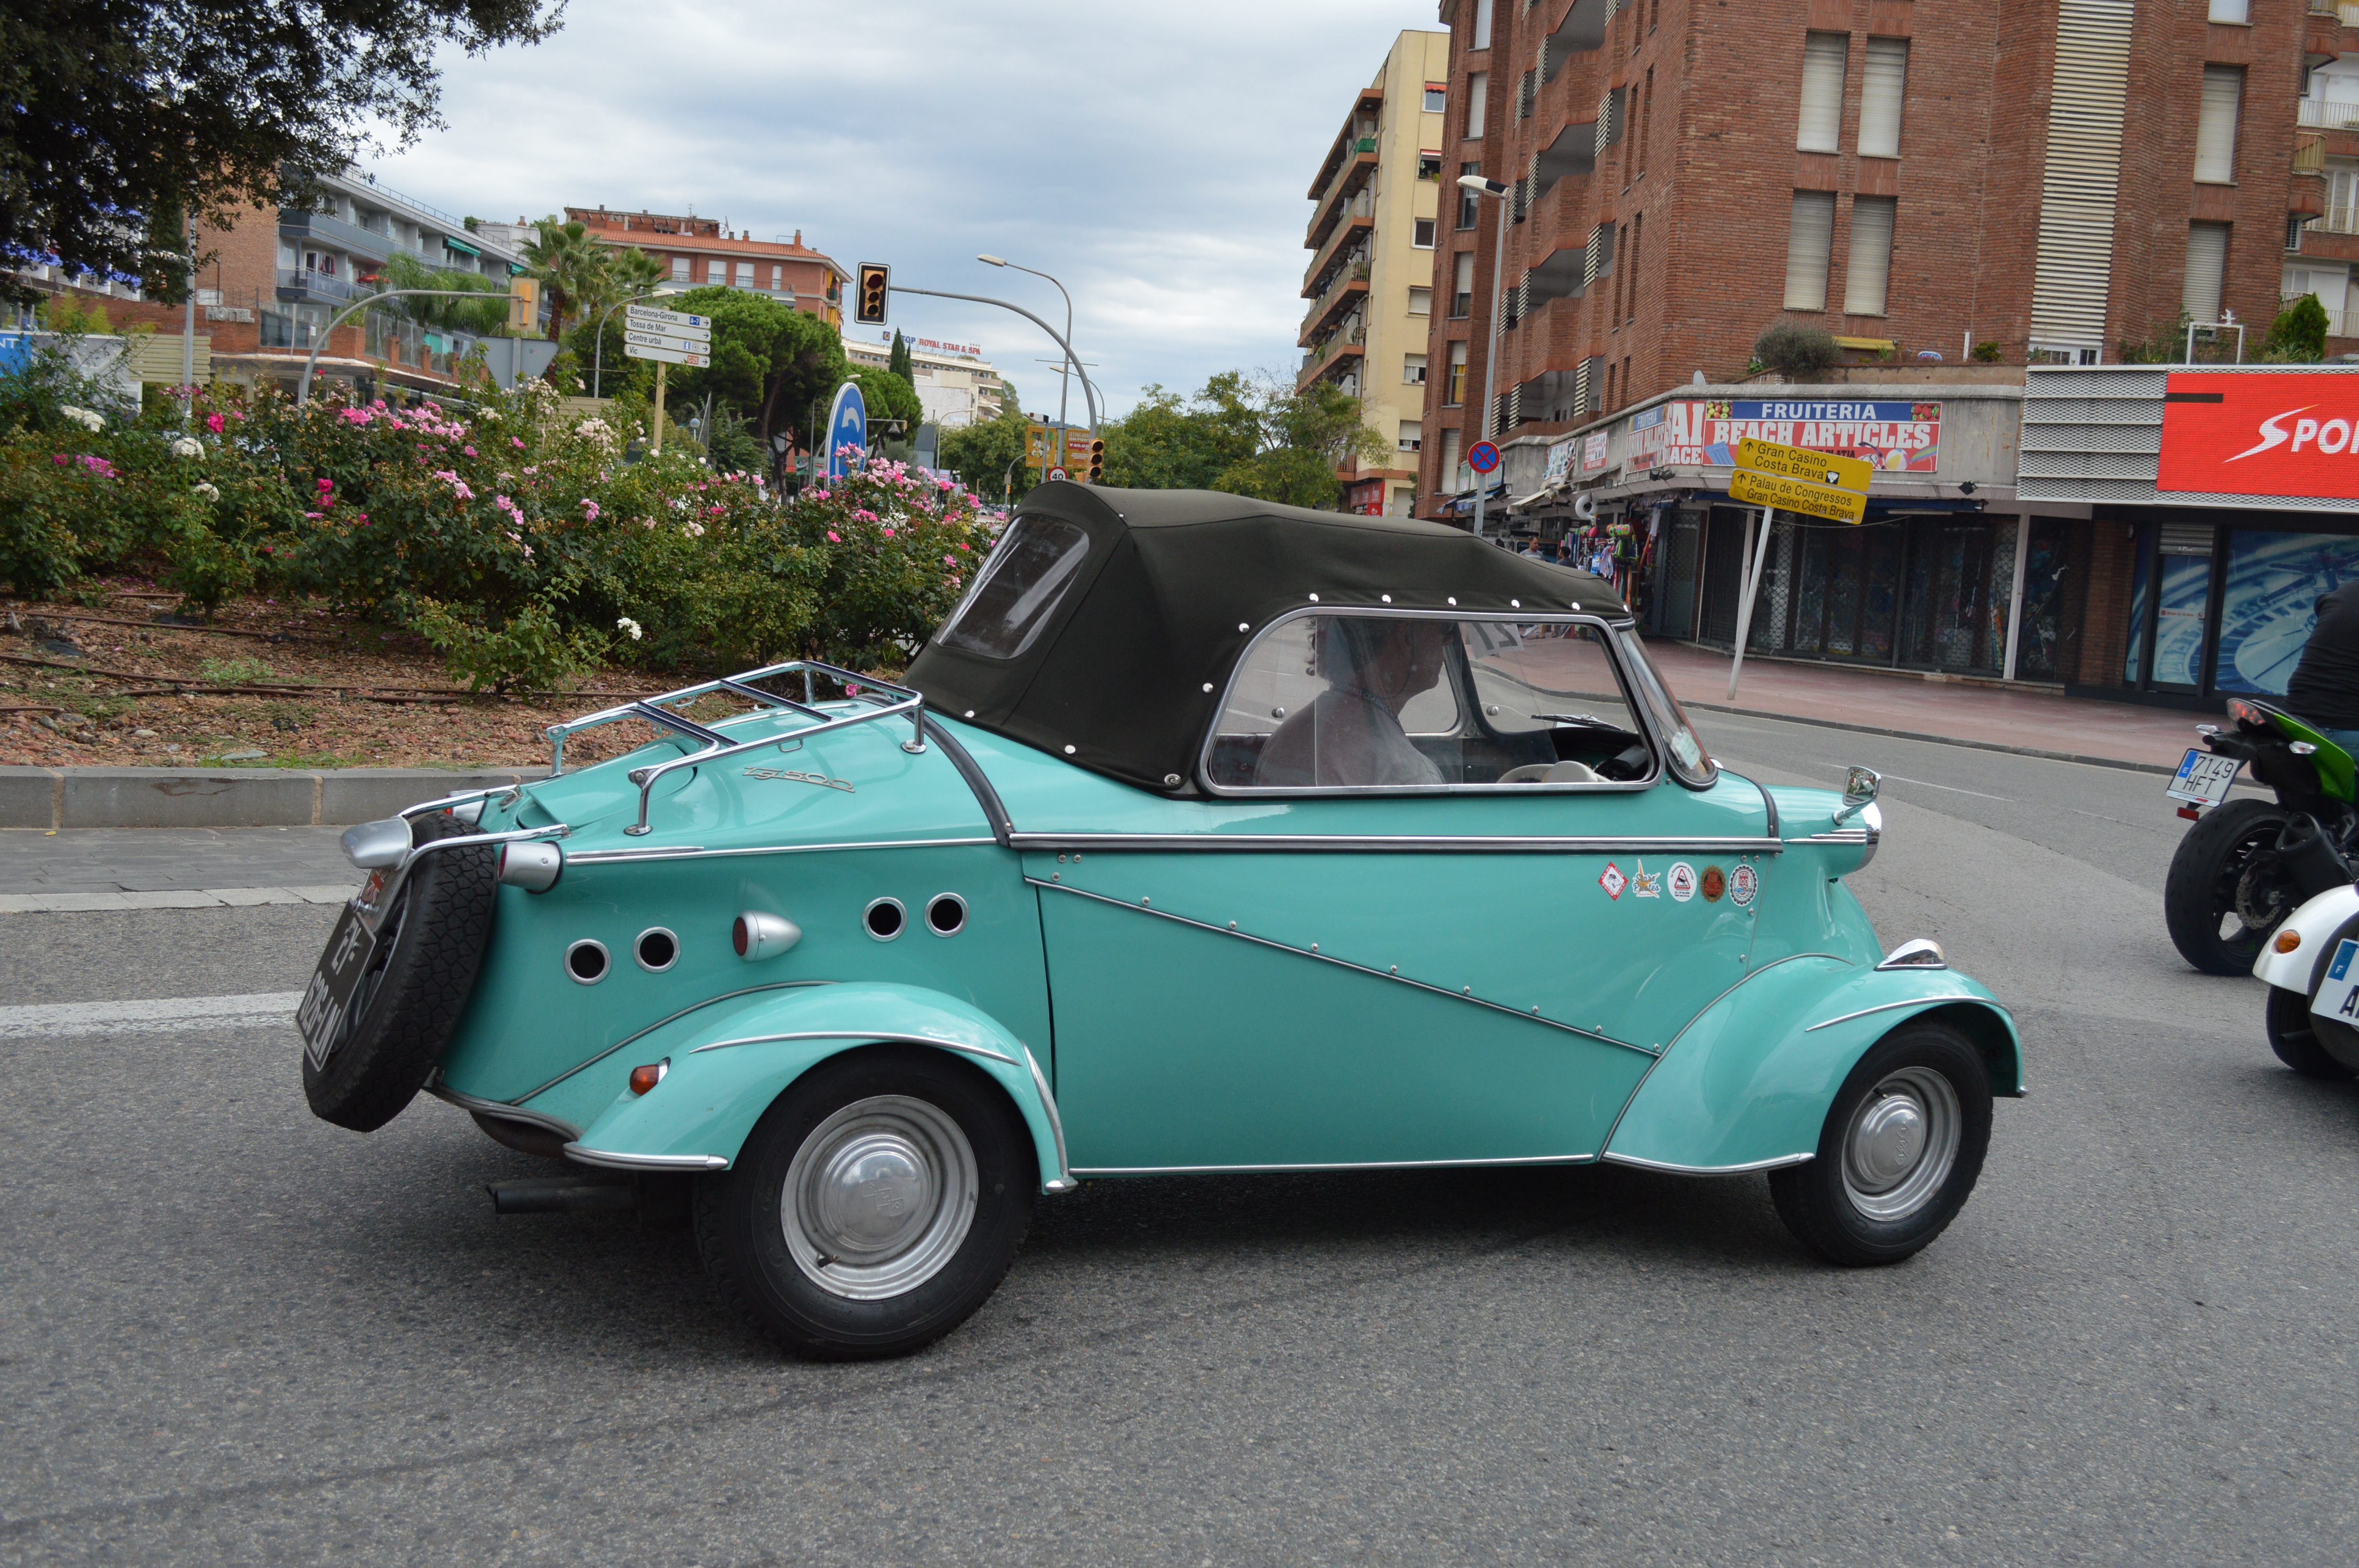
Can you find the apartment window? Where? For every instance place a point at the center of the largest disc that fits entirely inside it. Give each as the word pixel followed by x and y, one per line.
pixel 777 277
pixel 1413 369
pixel 1446 474
pixel 1453 392
pixel 1653 16
pixel 2207 264
pixel 2235 11
pixel 1462 293
pixel 1420 300
pixel 1437 97
pixel 1482 25
pixel 1412 432
pixel 1625 378
pixel 1421 233
pixel 745 275
pixel 1646 120
pixel 1881 85
pixel 1429 167
pixel 1638 233
pixel 1808 244
pixel 2215 127
pixel 1478 96
pixel 1870 255
pixel 1470 206
pixel 716 272
pixel 1823 56
pixel 680 269
pixel 2342 201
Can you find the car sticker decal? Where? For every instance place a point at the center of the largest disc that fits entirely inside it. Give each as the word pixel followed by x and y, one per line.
pixel 1649 883
pixel 1611 880
pixel 1715 882
pixel 1742 882
pixel 1683 878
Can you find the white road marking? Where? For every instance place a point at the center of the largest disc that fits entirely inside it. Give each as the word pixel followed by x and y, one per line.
pixel 168 1016
pixel 1929 783
pixel 176 898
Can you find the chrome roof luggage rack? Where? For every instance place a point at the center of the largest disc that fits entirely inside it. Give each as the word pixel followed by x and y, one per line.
pixel 712 740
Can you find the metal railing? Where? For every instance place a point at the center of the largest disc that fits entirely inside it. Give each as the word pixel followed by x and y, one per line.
pixel 2326 114
pixel 321 284
pixel 1353 272
pixel 714 744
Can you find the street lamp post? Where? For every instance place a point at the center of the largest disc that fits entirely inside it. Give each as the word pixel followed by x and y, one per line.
pixel 1088 390
pixel 303 388
pixel 1482 187
pixel 1064 383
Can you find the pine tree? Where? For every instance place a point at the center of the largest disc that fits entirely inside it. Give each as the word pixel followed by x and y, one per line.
pixel 900 363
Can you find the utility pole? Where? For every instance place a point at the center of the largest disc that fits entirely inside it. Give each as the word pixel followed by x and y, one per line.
pixel 659 397
pixel 1491 188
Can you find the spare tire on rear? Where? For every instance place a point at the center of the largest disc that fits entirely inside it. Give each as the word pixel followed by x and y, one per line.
pixel 429 948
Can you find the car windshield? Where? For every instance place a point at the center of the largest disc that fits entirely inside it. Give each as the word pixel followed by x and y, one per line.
pixel 1363 702
pixel 1022 584
pixel 1689 760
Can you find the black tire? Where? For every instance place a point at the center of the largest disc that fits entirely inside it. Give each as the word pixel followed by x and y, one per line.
pixel 2294 1041
pixel 750 1239
pixel 2207 873
pixel 1830 1213
pixel 429 952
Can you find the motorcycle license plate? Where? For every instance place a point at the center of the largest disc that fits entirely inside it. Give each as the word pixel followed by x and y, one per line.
pixel 319 1016
pixel 2203 778
pixel 2338 994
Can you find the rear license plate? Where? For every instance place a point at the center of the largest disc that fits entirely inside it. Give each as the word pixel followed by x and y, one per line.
pixel 2203 778
pixel 2338 994
pixel 320 1017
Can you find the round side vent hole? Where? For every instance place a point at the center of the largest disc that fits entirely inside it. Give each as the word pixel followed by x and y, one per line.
pixel 658 950
pixel 885 919
pixel 946 914
pixel 586 961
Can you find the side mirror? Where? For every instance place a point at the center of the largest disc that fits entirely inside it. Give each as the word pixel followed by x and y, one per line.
pixel 1859 791
pixel 372 845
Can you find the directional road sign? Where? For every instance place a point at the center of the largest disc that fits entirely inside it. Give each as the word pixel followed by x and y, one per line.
pixel 847 426
pixel 1483 458
pixel 695 359
pixel 1800 463
pixel 647 338
pixel 654 317
pixel 1796 495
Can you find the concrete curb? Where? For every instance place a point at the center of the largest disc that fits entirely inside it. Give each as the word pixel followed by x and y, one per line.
pixel 2164 768
pixel 228 797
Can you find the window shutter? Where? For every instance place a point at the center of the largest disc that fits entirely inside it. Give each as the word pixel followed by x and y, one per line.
pixel 2207 264
pixel 2231 11
pixel 1482 25
pixel 2215 127
pixel 2081 181
pixel 1446 472
pixel 1823 55
pixel 1478 94
pixel 1870 255
pixel 1807 244
pixel 1881 86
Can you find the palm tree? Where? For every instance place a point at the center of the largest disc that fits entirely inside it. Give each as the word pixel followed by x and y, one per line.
pixel 571 267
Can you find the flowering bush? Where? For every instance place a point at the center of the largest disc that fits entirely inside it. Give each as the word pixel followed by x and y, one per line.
pixel 520 544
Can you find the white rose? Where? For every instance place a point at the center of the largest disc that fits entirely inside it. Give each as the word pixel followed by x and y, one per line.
pixel 631 626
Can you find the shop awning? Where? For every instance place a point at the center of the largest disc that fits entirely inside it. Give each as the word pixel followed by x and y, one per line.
pixel 460 247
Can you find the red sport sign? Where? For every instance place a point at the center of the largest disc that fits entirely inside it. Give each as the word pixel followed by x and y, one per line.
pixel 2294 433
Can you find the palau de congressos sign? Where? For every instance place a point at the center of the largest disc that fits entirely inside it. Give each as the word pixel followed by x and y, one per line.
pixel 2295 434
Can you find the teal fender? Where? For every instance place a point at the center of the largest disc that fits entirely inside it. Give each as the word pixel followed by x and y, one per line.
pixel 1746 1086
pixel 724 1072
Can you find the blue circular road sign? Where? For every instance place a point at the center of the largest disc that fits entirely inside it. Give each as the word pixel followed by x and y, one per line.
pixel 847 426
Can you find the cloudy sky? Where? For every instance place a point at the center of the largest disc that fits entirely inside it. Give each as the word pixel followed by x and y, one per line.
pixel 1154 157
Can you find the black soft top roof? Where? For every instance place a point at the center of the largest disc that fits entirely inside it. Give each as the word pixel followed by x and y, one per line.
pixel 1126 675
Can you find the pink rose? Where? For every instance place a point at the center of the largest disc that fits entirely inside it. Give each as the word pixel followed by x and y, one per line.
pixel 469 450
pixel 215 423
pixel 833 538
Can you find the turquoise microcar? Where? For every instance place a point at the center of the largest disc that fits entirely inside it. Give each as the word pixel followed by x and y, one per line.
pixel 1207 835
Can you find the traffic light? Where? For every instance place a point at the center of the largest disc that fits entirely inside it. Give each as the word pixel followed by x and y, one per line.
pixel 1097 462
pixel 875 281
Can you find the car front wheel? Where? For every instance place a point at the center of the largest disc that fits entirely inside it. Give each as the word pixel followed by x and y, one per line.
pixel 874 1208
pixel 1901 1149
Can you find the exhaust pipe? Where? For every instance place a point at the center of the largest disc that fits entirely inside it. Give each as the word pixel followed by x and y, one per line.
pixel 2310 858
pixel 616 1194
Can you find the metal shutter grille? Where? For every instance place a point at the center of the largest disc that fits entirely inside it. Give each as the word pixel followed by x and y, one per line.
pixel 1807 245
pixel 1870 265
pixel 1823 56
pixel 1581 388
pixel 1882 83
pixel 2207 264
pixel 2215 124
pixel 2081 182
pixel 2186 539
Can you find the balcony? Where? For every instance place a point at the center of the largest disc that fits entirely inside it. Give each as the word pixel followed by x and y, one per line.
pixel 1331 352
pixel 1354 177
pixel 302 283
pixel 1358 218
pixel 1352 283
pixel 2327 114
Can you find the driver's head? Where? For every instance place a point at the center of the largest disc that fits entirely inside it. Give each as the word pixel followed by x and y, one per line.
pixel 1386 660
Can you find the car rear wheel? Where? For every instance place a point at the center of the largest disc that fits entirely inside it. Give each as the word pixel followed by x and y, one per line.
pixel 874 1208
pixel 1901 1149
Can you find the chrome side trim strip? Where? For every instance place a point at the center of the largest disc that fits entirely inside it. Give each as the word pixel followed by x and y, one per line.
pixel 1352 1165
pixel 1347 964
pixel 697 852
pixel 1913 1002
pixel 615 1161
pixel 1063 1181
pixel 877 1036
pixel 1294 843
pixel 1837 836
pixel 1779 1163
pixel 502 1110
pixel 658 1023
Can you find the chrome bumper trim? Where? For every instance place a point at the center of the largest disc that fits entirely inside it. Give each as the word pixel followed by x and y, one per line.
pixel 611 1160
pixel 503 1111
pixel 1779 1163
pixel 1913 1002
pixel 1062 1182
pixel 1093 1171
pixel 1300 843
pixel 881 1037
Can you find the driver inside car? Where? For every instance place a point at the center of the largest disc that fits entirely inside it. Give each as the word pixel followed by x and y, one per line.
pixel 1351 733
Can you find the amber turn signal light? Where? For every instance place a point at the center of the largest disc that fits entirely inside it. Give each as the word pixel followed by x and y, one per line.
pixel 647 1078
pixel 2288 940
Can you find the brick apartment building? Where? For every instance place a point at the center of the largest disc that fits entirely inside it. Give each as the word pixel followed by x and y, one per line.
pixel 1912 176
pixel 701 252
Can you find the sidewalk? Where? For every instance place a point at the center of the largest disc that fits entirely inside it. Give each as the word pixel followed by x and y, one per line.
pixel 1879 702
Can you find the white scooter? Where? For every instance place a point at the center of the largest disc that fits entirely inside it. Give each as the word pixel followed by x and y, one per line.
pixel 2311 968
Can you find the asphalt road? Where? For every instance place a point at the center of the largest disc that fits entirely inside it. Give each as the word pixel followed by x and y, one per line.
pixel 232 1333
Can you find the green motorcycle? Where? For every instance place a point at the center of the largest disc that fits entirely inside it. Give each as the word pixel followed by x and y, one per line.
pixel 2246 864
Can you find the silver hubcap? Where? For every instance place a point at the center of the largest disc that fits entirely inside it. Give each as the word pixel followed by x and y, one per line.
pixel 1902 1142
pixel 879 1197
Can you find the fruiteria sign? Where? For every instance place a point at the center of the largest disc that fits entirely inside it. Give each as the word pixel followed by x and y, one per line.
pixel 2293 433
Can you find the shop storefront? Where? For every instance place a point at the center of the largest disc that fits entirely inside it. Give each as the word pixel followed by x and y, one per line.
pixel 2224 501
